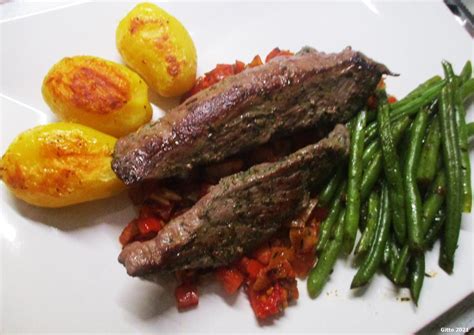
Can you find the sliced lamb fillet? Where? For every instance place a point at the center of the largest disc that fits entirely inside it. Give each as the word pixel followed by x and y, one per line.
pixel 239 213
pixel 289 94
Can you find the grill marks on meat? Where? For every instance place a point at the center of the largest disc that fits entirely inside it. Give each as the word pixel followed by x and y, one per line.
pixel 239 213
pixel 288 94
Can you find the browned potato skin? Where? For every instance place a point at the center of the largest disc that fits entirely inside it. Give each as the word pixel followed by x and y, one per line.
pixel 157 46
pixel 60 164
pixel 104 95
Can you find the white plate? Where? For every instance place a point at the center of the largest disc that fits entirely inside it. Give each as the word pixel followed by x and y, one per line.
pixel 59 268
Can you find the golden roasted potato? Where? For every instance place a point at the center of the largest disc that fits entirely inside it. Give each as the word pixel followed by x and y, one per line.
pixel 60 164
pixel 159 48
pixel 98 93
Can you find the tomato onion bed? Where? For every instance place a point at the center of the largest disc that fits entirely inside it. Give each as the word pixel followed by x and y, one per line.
pixel 267 275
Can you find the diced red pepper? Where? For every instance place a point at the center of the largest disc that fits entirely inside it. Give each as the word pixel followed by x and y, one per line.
pixel 231 278
pixel 149 225
pixel 250 266
pixel 129 233
pixel 391 99
pixel 256 61
pixel 268 303
pixel 186 296
pixel 239 66
pixel 220 72
pixel 277 52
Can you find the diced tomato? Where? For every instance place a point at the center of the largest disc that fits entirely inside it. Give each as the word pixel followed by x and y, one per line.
pixel 256 61
pixel 149 225
pixel 268 303
pixel 391 99
pixel 231 278
pixel 129 233
pixel 250 266
pixel 277 52
pixel 186 296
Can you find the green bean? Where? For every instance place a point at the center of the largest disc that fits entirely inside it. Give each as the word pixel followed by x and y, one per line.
pixel 375 255
pixel 400 271
pixel 372 171
pixel 434 201
pixel 398 128
pixel 403 146
pixel 363 216
pixel 452 164
pixel 393 174
pixel 328 192
pixel 466 72
pixel 412 194
pixel 470 129
pixel 370 151
pixel 372 216
pixel 393 259
pixel 417 275
pixel 417 102
pixel 371 115
pixel 370 133
pixel 418 91
pixel 319 275
pixel 333 215
pixel 412 105
pixel 353 184
pixel 467 89
pixel 435 229
pixel 386 253
pixel 461 130
pixel 429 154
pixel 370 176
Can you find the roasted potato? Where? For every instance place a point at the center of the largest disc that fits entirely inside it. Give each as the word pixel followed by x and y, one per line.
pixel 98 93
pixel 159 48
pixel 60 164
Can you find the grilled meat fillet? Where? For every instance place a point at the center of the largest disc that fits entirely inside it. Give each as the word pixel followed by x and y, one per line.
pixel 239 213
pixel 309 90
